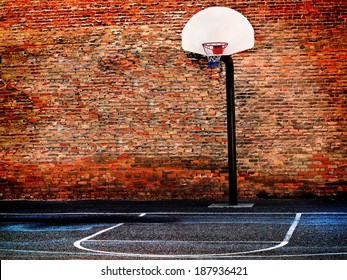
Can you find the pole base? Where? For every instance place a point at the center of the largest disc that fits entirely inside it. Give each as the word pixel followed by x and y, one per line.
pixel 226 205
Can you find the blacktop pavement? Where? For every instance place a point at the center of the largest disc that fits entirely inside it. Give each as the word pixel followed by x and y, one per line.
pixel 111 206
pixel 48 229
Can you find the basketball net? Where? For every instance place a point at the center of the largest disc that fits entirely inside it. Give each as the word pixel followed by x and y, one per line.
pixel 214 52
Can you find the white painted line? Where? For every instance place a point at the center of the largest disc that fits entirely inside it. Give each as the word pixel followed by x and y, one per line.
pixel 78 243
pixel 76 214
pixel 142 214
pixel 181 241
pixel 191 256
pixel 282 244
pixel 177 213
pixel 292 228
pixel 244 213
pixel 291 256
pixel 48 252
pixel 102 254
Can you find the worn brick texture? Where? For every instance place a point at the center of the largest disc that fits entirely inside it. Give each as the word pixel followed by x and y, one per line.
pixel 99 101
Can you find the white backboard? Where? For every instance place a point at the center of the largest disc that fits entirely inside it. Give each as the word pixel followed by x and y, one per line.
pixel 218 24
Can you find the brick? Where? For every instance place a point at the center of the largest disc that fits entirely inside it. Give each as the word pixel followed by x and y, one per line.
pixel 97 97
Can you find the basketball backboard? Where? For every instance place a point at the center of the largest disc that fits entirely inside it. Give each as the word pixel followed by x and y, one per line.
pixel 216 32
pixel 218 24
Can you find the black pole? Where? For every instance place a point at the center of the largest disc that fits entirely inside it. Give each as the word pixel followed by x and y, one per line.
pixel 229 68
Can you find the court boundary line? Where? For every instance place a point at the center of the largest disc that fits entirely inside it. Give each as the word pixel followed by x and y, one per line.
pixel 78 245
pixel 274 256
pixel 181 241
pixel 102 254
pixel 283 243
pixel 171 213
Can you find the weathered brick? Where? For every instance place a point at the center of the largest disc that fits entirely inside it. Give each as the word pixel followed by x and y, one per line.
pixel 99 101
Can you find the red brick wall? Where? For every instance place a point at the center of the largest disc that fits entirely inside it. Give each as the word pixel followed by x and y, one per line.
pixel 99 101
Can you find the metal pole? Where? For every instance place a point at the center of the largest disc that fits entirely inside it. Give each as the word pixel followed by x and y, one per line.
pixel 230 94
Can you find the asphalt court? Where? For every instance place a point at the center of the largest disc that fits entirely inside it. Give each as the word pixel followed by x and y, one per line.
pixel 223 234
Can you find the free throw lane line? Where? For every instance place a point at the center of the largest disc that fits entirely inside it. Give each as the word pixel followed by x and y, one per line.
pixel 78 245
pixel 284 242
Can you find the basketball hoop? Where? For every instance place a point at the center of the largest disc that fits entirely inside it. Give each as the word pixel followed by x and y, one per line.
pixel 230 33
pixel 214 52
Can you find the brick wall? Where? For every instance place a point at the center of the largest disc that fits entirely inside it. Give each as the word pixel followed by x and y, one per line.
pixel 99 101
